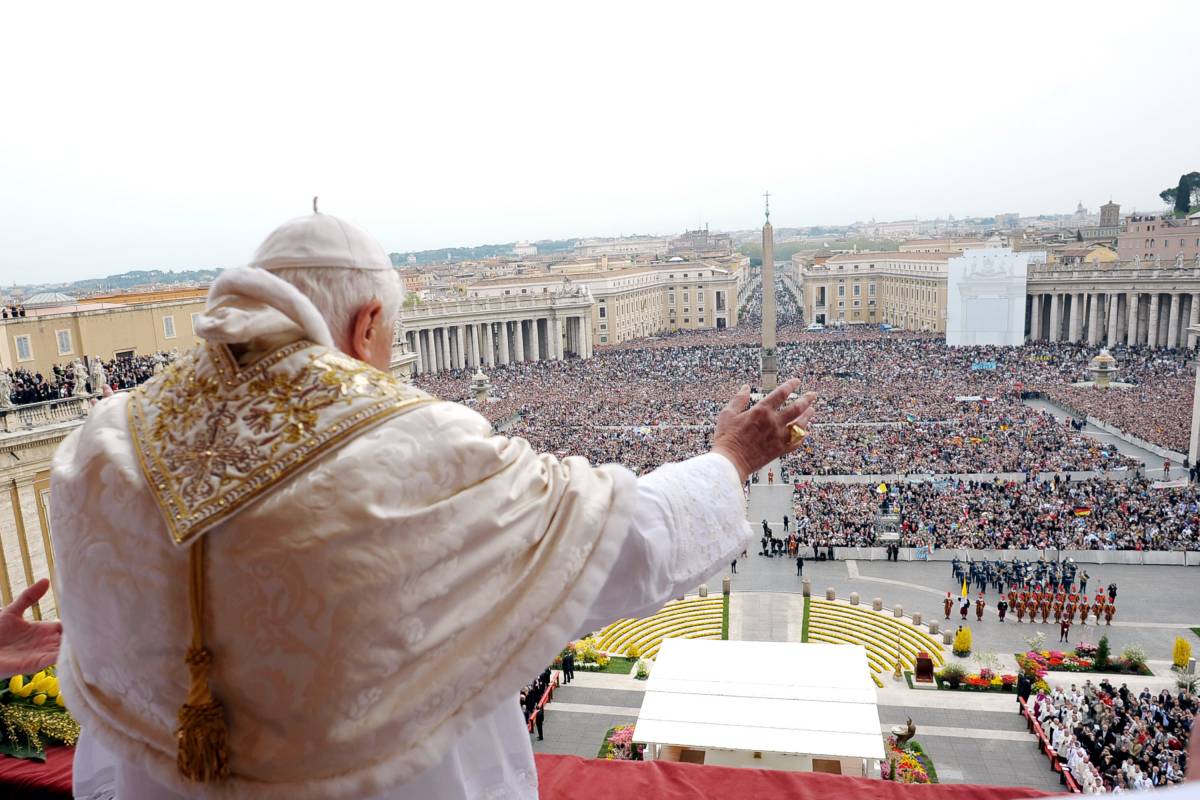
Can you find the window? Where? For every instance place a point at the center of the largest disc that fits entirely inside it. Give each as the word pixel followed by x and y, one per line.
pixel 871 290
pixel 194 318
pixel 169 327
pixel 24 348
pixel 603 340
pixel 686 320
pixel 603 326
pixel 857 290
pixel 670 298
pixel 603 312
pixel 64 342
pixel 841 291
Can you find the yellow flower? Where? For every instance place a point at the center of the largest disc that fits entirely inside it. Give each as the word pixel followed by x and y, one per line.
pixel 15 683
pixel 52 688
pixel 58 701
pixel 25 690
pixel 37 676
pixel 39 700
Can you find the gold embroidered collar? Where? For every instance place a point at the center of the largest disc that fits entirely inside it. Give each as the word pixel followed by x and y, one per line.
pixel 212 436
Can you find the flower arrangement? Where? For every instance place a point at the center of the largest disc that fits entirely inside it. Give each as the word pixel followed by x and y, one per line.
pixel 643 669
pixel 588 656
pixel 904 764
pixel 32 713
pixel 962 642
pixel 1181 653
pixel 1086 658
pixel 619 746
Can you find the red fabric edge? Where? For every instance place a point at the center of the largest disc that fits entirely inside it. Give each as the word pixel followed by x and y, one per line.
pixel 563 777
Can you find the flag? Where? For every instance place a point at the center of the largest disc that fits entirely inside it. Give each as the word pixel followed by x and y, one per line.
pixel 965 591
pixel 1082 511
pixel 910 418
pixel 882 488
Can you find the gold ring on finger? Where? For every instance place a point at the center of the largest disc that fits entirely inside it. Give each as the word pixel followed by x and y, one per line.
pixel 797 436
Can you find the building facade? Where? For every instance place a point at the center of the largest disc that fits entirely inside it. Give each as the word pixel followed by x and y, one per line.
pixel 105 329
pixel 1114 303
pixel 907 290
pixel 634 300
pixel 1161 241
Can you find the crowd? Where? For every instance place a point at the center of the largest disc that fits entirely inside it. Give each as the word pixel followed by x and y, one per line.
pixel 889 403
pixel 120 373
pixel 1093 514
pixel 1112 740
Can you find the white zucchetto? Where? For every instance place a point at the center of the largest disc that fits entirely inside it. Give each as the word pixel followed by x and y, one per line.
pixel 320 240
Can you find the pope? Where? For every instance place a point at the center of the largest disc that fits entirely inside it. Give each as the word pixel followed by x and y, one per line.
pixel 283 573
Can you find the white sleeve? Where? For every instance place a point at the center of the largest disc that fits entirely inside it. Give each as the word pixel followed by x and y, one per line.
pixel 689 522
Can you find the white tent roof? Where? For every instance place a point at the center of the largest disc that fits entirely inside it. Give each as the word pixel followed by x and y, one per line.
pixel 778 697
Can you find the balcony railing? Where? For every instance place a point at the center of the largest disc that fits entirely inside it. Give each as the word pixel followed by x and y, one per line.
pixel 14 419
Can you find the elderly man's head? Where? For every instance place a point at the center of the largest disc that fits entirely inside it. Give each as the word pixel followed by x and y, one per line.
pixel 360 306
pixel 346 274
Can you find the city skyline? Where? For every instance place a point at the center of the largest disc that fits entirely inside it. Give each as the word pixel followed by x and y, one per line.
pixel 152 139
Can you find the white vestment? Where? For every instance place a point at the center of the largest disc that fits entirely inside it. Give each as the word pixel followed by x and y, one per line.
pixel 374 601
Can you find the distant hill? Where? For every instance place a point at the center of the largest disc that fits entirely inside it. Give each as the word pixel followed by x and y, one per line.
pixel 448 254
pixel 126 280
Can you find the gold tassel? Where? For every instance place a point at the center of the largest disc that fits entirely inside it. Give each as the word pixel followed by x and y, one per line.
pixel 203 750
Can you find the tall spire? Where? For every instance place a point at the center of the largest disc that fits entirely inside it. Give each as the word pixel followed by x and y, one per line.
pixel 769 370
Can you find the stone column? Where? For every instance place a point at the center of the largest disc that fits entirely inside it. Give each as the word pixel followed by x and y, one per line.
pixel 489 352
pixel 1113 302
pixel 460 360
pixel 1193 322
pixel 519 340
pixel 473 360
pixel 556 338
pixel 1173 320
pixel 1056 301
pixel 1075 320
pixel 414 345
pixel 1035 324
pixel 1093 332
pixel 1132 301
pixel 504 350
pixel 1152 328
pixel 535 345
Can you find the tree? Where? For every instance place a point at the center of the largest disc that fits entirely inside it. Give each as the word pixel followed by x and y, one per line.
pixel 1184 194
pixel 1102 653
pixel 1183 652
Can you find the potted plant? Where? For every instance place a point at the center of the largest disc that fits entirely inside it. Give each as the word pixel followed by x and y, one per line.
pixel 952 675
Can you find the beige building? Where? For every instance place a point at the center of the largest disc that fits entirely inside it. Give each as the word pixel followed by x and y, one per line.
pixel 907 290
pixel 634 300
pixel 113 327
pixel 941 245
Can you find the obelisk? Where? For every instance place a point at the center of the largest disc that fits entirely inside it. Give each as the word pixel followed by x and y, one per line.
pixel 770 366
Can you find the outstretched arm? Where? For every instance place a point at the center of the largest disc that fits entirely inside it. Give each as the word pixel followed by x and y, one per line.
pixel 27 646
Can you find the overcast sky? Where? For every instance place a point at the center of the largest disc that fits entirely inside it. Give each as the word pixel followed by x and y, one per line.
pixel 165 135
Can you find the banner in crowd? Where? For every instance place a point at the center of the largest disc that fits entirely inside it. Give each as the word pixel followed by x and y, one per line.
pixel 922 553
pixel 983 365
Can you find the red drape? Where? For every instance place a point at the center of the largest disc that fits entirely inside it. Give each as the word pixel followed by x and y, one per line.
pixel 563 777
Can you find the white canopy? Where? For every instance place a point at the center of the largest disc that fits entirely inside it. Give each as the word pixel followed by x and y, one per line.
pixel 778 697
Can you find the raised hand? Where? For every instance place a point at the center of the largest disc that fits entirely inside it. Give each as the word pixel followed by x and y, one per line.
pixel 27 646
pixel 753 437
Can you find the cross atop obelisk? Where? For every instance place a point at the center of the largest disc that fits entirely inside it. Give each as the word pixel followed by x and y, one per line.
pixel 770 366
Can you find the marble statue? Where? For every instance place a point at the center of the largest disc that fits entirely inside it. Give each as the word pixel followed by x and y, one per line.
pixel 99 377
pixel 1179 260
pixel 5 389
pixel 1157 261
pixel 1137 260
pixel 80 377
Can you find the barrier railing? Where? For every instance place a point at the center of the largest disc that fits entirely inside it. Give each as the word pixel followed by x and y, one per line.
pixel 547 696
pixel 1043 742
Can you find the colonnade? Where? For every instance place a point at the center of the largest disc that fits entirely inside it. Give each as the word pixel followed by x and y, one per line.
pixel 1156 319
pixel 481 344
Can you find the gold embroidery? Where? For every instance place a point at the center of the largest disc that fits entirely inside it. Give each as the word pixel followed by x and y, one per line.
pixel 211 437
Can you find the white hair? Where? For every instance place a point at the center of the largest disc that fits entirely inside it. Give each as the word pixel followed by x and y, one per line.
pixel 339 293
